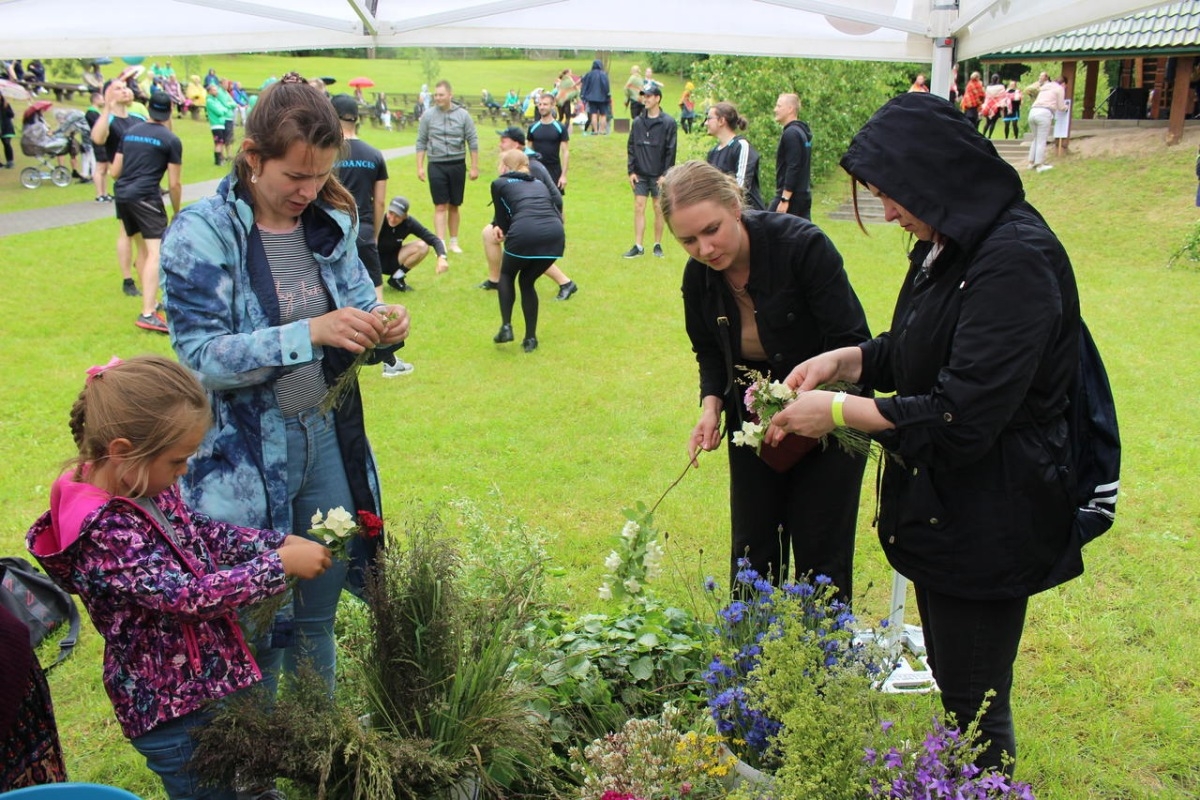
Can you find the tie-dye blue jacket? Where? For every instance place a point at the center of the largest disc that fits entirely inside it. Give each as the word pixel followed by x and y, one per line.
pixel 223 315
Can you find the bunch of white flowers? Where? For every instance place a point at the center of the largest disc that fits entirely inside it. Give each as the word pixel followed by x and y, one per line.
pixel 636 559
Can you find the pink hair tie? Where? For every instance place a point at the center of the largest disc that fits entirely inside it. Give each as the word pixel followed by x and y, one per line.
pixel 99 369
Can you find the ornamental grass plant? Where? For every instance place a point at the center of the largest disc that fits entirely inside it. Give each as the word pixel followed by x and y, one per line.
pixel 441 705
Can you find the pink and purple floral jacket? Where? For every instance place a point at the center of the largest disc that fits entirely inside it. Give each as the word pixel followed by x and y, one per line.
pixel 166 605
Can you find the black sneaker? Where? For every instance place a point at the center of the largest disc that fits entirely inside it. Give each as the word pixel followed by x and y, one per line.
pixel 489 285
pixel 505 335
pixel 658 250
pixel 529 344
pixel 634 252
pixel 130 288
pixel 399 284
pixel 566 290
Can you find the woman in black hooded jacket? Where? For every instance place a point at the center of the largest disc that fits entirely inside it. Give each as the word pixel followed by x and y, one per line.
pixel 981 352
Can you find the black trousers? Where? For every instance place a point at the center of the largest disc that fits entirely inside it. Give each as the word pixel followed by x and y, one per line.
pixel 800 521
pixel 972 645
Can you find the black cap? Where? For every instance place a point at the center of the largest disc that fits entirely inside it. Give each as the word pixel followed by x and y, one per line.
pixel 346 107
pixel 652 88
pixel 514 133
pixel 159 106
pixel 399 205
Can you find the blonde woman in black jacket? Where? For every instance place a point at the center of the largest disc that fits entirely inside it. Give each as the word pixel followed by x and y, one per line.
pixel 766 291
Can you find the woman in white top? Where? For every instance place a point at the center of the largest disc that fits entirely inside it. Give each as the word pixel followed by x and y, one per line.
pixel 1050 98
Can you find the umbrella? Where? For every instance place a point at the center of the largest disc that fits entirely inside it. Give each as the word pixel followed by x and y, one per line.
pixel 102 60
pixel 40 105
pixel 133 60
pixel 131 72
pixel 328 81
pixel 360 82
pixel 13 91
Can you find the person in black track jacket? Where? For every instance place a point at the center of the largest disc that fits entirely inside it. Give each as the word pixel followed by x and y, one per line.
pixel 528 223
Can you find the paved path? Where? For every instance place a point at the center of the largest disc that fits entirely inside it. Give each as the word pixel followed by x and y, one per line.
pixel 41 219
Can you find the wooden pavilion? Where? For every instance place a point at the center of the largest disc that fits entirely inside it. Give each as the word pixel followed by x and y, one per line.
pixel 1154 47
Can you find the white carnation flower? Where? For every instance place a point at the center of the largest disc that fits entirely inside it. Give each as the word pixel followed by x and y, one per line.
pixel 780 391
pixel 340 522
pixel 613 561
pixel 630 531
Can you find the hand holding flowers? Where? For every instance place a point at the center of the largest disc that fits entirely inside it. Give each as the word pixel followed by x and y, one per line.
pixel 806 413
pixel 338 527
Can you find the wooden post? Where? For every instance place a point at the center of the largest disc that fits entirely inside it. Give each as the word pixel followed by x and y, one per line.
pixel 1089 89
pixel 1068 74
pixel 1180 91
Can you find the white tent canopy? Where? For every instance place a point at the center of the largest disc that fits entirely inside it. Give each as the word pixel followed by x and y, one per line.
pixel 884 30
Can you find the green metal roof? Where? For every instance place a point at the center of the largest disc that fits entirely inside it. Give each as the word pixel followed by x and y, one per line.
pixel 1173 29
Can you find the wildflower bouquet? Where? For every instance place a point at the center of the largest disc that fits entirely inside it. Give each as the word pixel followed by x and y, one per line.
pixel 336 528
pixel 807 613
pixel 348 377
pixel 653 758
pixel 940 766
pixel 764 399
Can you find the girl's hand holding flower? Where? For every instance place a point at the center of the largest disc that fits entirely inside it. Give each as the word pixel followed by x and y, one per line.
pixel 304 558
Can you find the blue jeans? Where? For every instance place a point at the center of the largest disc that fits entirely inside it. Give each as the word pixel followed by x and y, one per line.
pixel 316 480
pixel 168 749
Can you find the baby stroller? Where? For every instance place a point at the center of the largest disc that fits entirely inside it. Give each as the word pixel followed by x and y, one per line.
pixel 38 141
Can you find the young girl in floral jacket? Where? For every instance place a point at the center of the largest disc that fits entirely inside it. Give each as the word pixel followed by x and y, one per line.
pixel 162 584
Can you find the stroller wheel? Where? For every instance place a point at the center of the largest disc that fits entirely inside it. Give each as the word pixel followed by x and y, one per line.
pixel 60 176
pixel 31 177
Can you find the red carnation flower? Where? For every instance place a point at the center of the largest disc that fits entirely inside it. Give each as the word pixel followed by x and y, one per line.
pixel 371 525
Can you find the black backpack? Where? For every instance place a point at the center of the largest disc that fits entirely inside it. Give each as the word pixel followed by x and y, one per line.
pixel 1093 473
pixel 1095 443
pixel 39 602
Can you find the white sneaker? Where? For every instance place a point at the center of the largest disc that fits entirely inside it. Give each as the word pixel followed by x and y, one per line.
pixel 1045 168
pixel 454 248
pixel 399 368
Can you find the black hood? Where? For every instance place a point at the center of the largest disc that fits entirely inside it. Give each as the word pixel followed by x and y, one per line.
pixel 922 152
pixel 598 64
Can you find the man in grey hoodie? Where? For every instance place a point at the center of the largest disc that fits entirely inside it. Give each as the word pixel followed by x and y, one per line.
pixel 445 135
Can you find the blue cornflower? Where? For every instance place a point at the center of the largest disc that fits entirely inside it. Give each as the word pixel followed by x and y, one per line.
pixel 710 584
pixel 734 612
pixel 823 580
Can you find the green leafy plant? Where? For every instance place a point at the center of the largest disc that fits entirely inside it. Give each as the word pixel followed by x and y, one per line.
pixel 1188 253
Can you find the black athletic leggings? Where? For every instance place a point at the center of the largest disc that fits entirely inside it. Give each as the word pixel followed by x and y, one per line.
pixel 524 271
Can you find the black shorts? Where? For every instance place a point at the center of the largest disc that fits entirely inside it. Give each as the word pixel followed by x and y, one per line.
pixel 447 180
pixel 368 253
pixel 147 216
pixel 218 135
pixel 100 153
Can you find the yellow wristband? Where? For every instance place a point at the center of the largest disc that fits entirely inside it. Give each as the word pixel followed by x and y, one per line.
pixel 836 410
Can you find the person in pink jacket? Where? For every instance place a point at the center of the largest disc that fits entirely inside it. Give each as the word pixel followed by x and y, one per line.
pixel 163 585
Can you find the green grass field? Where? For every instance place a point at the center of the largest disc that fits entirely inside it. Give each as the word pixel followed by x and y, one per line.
pixel 1106 701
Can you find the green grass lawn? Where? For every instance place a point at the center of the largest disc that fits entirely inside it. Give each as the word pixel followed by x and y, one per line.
pixel 598 418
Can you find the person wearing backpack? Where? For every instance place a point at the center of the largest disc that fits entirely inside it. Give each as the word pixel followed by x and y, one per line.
pixel 30 753
pixel 982 353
